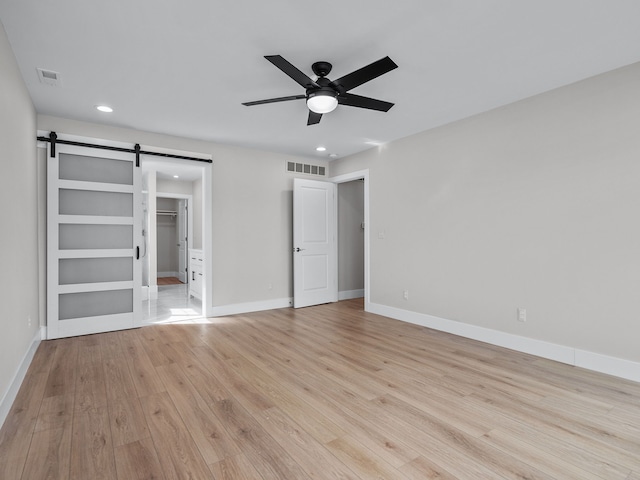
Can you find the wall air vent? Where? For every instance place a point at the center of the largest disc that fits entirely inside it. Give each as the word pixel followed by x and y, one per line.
pixel 49 77
pixel 294 167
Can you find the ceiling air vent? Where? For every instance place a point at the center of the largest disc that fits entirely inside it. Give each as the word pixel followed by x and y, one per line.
pixel 49 77
pixel 294 167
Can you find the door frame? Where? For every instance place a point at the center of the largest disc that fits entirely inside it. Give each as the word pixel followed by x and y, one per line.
pixel 206 174
pixel 349 177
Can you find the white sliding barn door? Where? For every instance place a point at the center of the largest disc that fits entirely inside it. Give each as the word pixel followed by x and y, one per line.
pixel 315 253
pixel 94 227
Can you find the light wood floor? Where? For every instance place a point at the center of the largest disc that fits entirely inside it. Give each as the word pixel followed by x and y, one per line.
pixel 327 392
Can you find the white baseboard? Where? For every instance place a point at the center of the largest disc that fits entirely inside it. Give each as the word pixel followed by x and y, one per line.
pixel 580 358
pixel 617 367
pixel 14 386
pixel 238 308
pixel 349 294
pixel 167 274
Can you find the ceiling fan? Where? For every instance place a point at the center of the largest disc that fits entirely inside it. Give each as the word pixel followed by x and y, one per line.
pixel 324 95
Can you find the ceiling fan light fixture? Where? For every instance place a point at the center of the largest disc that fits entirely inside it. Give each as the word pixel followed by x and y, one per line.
pixel 322 101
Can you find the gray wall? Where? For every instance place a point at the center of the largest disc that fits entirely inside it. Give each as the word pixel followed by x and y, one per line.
pixel 532 205
pixel 19 240
pixel 251 210
pixel 350 236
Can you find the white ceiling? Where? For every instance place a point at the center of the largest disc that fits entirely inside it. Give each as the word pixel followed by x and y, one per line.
pixel 183 68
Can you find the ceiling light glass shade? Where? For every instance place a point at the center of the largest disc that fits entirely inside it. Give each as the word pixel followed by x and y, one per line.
pixel 322 102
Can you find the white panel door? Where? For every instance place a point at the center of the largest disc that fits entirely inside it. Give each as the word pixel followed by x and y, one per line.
pixel 315 253
pixel 183 250
pixel 94 228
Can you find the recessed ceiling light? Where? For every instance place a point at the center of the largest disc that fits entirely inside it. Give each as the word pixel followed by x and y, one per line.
pixel 333 155
pixel 321 149
pixel 104 108
pixel 176 176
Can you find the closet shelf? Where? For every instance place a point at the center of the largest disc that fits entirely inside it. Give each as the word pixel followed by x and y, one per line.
pixel 172 213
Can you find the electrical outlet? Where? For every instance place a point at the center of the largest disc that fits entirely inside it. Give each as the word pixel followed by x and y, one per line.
pixel 270 286
pixel 29 320
pixel 522 315
pixel 405 294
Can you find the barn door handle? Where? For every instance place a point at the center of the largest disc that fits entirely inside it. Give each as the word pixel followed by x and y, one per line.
pixel 137 253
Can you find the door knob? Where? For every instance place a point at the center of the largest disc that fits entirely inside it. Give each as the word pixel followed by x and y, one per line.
pixel 298 249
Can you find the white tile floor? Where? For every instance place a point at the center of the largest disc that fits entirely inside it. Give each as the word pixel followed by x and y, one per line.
pixel 172 305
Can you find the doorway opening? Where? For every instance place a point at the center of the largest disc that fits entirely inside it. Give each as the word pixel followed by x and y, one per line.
pixel 351 227
pixel 173 237
pixel 353 236
pixel 174 226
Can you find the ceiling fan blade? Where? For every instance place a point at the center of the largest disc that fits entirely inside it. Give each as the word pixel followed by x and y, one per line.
pixel 364 74
pixel 364 102
pixel 314 118
pixel 274 100
pixel 292 71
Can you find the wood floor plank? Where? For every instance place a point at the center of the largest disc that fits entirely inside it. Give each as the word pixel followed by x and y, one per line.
pixel 210 388
pixel 503 464
pixel 319 426
pixel 316 460
pixel 268 457
pixel 579 427
pixel 118 379
pixel 143 373
pixel 550 464
pixel 217 339
pixel 19 426
pixel 422 468
pixel 127 420
pixel 154 342
pixel 363 461
pixel 584 452
pixel 90 391
pixel 234 468
pixel 62 375
pixel 125 412
pixel 177 452
pixel 49 454
pixel 138 461
pixel 92 453
pixel 242 390
pixel 448 406
pixel 55 412
pixel 213 441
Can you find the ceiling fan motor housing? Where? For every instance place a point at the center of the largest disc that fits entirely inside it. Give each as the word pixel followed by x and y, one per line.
pixel 324 88
pixel 322 68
